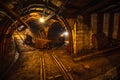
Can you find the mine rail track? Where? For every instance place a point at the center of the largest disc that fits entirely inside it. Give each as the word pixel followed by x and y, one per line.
pixel 42 68
pixel 63 70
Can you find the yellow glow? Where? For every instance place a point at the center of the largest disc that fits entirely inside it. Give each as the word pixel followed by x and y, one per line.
pixel 66 33
pixel 42 20
pixel 34 14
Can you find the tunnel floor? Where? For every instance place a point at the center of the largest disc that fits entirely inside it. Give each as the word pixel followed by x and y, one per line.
pixel 28 65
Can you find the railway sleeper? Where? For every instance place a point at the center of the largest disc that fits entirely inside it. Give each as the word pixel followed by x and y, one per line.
pixel 56 77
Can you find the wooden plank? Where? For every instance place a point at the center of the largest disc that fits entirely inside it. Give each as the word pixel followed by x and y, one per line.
pixel 116 24
pixel 94 23
pixel 106 23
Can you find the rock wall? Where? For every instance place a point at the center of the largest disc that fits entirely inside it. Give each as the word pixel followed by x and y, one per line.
pixel 82 36
pixel 112 74
pixel 7 53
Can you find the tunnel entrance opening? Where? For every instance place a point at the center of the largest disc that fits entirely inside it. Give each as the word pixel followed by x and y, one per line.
pixel 56 35
pixel 43 34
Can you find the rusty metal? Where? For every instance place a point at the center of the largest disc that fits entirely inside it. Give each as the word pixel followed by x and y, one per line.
pixel 67 74
pixel 42 68
pixel 12 14
pixel 64 73
pixel 70 34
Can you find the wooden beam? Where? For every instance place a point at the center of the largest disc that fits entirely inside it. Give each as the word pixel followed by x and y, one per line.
pixel 87 6
pixel 111 8
pixel 12 14
pixel 105 5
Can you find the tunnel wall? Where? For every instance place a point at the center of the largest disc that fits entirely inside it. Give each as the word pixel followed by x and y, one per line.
pixel 112 74
pixel 83 36
pixel 7 55
pixel 95 31
pixel 81 33
pixel 7 47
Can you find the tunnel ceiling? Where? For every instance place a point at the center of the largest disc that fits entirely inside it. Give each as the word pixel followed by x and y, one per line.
pixel 68 8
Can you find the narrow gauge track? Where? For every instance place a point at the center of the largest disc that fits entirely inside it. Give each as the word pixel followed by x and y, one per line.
pixel 42 68
pixel 62 71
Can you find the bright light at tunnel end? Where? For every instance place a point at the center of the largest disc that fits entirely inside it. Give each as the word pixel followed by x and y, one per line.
pixel 65 33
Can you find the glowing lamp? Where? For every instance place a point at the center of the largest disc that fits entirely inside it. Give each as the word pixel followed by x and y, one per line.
pixel 66 33
pixel 42 20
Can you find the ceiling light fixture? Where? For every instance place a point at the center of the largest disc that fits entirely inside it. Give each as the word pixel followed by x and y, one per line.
pixel 42 19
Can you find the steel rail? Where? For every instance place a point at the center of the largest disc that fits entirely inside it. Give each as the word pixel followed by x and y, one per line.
pixel 42 67
pixel 63 69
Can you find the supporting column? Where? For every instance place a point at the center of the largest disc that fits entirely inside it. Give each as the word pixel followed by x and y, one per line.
pixel 82 36
pixel 71 22
pixel 94 23
pixel 116 24
pixel 106 23
pixel 74 38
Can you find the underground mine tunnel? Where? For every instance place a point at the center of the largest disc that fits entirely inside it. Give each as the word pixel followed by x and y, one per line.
pixel 59 39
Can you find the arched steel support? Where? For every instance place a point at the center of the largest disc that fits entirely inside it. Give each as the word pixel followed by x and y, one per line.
pixel 70 33
pixel 12 14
